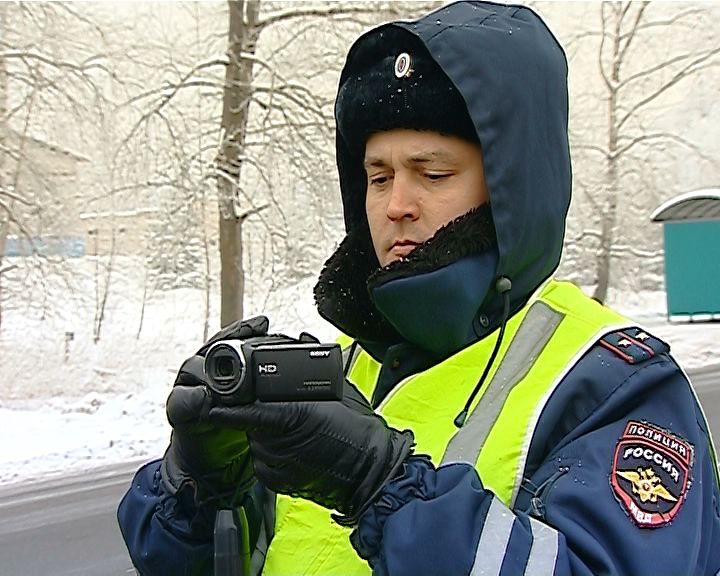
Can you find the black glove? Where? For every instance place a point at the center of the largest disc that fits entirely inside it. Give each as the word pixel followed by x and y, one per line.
pixel 213 461
pixel 338 454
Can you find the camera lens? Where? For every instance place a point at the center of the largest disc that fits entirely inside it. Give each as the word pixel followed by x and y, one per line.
pixel 224 367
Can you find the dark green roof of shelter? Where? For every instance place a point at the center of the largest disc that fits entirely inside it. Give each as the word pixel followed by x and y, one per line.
pixel 696 205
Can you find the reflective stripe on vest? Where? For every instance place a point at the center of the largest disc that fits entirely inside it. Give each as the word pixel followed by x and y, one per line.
pixel 542 343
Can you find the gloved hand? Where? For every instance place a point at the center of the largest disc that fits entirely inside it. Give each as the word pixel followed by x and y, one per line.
pixel 338 454
pixel 213 461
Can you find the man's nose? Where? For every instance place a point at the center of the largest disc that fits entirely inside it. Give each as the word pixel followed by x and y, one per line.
pixel 403 199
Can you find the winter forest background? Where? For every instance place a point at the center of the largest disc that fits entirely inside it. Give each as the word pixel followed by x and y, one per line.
pixel 168 167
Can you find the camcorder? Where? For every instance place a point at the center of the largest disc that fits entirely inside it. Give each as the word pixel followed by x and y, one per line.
pixel 274 369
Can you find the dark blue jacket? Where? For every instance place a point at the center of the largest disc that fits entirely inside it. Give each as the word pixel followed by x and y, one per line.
pixel 432 521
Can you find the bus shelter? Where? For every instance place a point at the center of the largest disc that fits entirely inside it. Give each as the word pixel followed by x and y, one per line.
pixel 691 233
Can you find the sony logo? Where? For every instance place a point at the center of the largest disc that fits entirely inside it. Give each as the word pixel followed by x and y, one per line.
pixel 319 353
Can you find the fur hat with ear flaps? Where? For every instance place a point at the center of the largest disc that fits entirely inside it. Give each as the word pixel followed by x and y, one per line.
pixel 396 84
pixel 393 84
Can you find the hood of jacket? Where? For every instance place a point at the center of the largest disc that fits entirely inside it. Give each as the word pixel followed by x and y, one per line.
pixel 512 75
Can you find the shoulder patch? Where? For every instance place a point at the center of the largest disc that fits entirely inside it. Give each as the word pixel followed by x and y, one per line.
pixel 633 345
pixel 650 474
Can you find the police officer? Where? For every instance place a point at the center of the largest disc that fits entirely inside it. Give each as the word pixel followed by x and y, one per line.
pixel 495 420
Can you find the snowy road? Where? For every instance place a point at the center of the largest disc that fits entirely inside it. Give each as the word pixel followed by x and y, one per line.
pixel 65 527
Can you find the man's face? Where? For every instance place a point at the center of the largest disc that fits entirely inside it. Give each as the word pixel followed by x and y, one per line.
pixel 416 183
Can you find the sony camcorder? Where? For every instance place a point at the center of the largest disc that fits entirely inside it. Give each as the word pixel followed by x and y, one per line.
pixel 274 369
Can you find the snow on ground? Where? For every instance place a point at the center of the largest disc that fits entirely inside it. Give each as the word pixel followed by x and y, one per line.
pixel 70 405
pixel 77 405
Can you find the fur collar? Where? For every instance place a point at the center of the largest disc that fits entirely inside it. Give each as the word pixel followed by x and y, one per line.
pixel 344 288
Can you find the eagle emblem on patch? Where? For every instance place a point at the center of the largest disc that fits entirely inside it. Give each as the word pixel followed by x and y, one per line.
pixel 650 474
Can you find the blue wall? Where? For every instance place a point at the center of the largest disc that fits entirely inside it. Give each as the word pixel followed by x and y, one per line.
pixel 68 246
pixel 692 267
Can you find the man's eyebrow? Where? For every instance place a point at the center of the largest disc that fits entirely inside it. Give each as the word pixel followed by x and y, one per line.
pixel 431 155
pixel 416 158
pixel 374 162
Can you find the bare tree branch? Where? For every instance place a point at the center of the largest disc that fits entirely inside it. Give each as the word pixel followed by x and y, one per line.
pixel 632 34
pixel 647 138
pixel 675 20
pixel 601 50
pixel 693 67
pixel 298 13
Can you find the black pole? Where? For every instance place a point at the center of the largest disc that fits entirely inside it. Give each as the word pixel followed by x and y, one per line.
pixel 228 537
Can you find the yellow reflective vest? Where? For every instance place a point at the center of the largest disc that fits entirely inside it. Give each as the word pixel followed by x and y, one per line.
pixel 542 343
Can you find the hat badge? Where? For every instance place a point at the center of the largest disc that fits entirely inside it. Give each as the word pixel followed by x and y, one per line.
pixel 403 65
